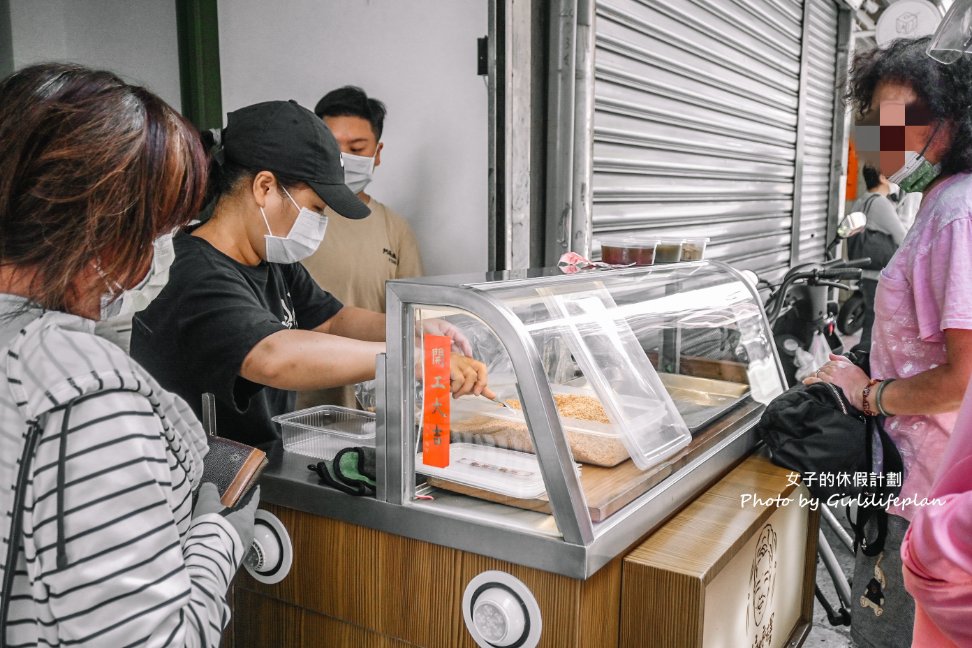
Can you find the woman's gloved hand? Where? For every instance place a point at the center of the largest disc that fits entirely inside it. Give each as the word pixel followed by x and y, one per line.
pixel 241 517
pixel 443 327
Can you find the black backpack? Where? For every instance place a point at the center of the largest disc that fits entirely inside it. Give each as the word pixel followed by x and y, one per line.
pixel 878 246
pixel 814 430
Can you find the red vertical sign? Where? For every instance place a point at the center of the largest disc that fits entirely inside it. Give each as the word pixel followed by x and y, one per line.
pixel 436 395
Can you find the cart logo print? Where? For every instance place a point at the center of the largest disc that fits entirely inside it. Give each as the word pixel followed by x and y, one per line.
pixel 762 580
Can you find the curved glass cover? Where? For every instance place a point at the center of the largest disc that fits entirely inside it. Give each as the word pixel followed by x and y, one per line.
pixel 641 364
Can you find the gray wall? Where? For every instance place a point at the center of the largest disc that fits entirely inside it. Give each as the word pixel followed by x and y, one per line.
pixel 134 38
pixel 419 57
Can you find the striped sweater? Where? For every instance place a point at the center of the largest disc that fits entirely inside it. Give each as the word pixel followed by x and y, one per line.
pixel 104 549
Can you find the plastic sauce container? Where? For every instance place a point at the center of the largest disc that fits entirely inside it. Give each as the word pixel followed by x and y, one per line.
pixel 668 251
pixel 693 249
pixel 627 250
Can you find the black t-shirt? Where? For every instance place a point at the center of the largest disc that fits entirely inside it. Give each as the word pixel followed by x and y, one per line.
pixel 195 335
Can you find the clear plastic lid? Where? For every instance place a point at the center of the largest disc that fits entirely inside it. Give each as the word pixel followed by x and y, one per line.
pixel 627 240
pixel 616 366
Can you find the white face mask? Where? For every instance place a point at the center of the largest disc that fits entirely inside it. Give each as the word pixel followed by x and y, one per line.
pixel 302 241
pixel 138 298
pixel 358 170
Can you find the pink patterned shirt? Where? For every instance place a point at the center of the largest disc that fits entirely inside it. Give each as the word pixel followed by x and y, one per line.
pixel 924 290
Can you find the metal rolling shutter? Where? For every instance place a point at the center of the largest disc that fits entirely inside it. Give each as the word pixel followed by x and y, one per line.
pixel 695 124
pixel 818 129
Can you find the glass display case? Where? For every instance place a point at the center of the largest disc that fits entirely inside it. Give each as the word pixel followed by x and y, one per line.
pixel 620 394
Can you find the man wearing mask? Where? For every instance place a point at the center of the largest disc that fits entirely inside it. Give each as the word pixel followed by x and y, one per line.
pixel 885 234
pixel 359 256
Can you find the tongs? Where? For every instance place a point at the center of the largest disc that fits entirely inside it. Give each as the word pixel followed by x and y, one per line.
pixel 497 401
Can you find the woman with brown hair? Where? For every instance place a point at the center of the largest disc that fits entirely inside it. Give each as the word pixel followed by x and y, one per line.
pixel 100 542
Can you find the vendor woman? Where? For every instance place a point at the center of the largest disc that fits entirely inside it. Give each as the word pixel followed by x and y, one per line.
pixel 240 317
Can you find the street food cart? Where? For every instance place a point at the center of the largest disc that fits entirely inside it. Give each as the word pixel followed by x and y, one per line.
pixel 611 497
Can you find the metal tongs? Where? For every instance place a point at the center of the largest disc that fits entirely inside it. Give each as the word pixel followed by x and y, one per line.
pixel 497 401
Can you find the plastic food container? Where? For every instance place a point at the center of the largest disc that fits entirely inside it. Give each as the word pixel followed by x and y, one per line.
pixel 593 442
pixel 668 251
pixel 507 472
pixel 627 250
pixel 325 430
pixel 693 249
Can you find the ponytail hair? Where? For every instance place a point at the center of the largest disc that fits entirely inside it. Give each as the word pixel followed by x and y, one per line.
pixel 225 174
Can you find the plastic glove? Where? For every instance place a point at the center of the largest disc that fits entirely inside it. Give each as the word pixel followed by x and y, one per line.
pixel 442 327
pixel 241 518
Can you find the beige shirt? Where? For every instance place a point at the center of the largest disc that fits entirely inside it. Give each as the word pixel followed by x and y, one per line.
pixel 353 263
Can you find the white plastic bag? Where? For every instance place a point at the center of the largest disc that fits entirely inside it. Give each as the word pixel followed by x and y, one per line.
pixel 808 362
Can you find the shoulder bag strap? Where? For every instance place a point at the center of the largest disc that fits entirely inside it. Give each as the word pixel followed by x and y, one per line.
pixel 34 430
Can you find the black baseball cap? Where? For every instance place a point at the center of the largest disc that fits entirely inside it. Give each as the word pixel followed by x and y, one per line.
pixel 286 138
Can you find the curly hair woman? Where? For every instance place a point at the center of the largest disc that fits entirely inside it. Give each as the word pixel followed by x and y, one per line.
pixel 101 543
pixel 919 114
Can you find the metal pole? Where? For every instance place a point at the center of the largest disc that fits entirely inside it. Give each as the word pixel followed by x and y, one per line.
pixel 518 127
pixel 837 575
pixel 839 170
pixel 800 134
pixel 581 224
pixel 835 526
pixel 496 116
pixel 560 130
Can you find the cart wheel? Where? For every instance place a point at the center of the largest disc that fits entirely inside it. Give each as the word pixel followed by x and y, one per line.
pixel 850 319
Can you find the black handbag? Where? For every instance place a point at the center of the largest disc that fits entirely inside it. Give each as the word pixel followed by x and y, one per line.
pixel 814 430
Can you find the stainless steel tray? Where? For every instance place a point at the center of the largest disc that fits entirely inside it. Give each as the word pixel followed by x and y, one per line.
pixel 701 401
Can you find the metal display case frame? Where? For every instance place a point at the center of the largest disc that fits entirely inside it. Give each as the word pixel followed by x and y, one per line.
pixel 566 541
pixel 582 546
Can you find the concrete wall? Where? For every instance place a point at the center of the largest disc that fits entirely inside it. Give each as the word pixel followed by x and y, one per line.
pixel 419 57
pixel 136 39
